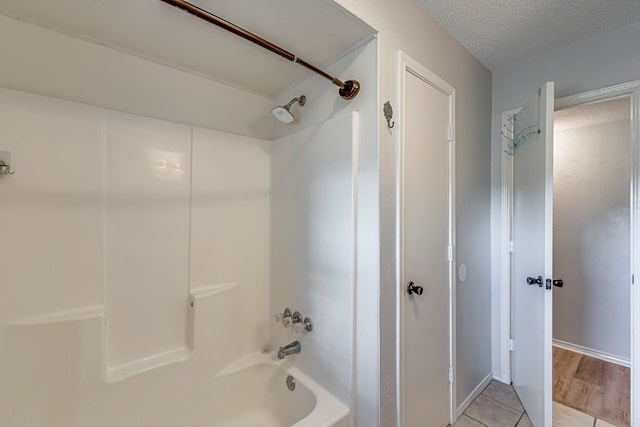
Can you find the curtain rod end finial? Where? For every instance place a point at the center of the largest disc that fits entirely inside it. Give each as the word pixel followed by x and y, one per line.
pixel 350 89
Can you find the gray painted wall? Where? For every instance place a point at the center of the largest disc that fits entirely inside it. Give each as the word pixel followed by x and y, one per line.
pixel 591 251
pixel 586 65
pixel 405 25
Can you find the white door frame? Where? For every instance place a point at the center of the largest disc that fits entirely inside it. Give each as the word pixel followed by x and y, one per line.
pixel 631 89
pixel 408 64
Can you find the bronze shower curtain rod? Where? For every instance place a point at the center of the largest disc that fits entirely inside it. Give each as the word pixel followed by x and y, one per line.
pixel 348 89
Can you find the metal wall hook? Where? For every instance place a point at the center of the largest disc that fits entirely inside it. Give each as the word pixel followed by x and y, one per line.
pixel 388 114
pixel 5 169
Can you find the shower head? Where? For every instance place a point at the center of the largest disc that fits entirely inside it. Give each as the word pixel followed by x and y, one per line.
pixel 283 112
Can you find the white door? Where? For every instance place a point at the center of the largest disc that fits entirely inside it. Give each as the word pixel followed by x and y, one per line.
pixel 425 236
pixel 532 256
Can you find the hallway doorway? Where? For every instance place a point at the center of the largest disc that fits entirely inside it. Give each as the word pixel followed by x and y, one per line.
pixel 592 256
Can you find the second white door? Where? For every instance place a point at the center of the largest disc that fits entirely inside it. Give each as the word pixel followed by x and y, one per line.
pixel 426 249
pixel 532 256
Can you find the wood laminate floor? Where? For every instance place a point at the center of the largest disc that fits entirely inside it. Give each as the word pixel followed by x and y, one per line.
pixel 593 386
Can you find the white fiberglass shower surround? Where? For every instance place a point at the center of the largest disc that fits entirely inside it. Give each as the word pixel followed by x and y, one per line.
pixel 159 221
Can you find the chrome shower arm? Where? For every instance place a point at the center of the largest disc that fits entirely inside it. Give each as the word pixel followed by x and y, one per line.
pixel 300 100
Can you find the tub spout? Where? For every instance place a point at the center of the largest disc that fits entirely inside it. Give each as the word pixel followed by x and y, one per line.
pixel 292 348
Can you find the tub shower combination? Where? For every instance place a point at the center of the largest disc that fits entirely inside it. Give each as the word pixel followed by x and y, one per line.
pixel 104 363
pixel 228 365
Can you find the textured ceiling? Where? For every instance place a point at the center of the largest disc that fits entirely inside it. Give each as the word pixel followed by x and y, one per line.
pixel 500 32
pixel 157 31
pixel 592 114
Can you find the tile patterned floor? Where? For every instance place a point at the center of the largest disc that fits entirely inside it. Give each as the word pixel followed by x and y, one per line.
pixel 499 406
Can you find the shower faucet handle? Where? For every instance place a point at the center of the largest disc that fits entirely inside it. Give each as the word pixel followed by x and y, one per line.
pixel 296 317
pixel 294 320
pixel 284 317
pixel 303 326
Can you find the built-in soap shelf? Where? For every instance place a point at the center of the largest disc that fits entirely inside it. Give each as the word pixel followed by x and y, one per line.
pixel 180 354
pixel 116 373
pixel 210 290
pixel 73 315
pixel 120 372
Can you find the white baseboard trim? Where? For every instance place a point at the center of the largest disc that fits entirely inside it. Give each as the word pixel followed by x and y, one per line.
pixel 607 357
pixel 504 377
pixel 475 393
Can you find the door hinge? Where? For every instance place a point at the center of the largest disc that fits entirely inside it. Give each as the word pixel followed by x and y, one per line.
pixel 449 253
pixel 451 374
pixel 510 246
pixel 511 345
pixel 450 134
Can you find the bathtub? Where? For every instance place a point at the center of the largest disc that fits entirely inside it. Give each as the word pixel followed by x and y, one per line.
pixel 67 391
pixel 256 395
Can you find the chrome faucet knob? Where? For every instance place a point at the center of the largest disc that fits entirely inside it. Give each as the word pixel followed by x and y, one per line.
pixel 296 317
pixel 284 317
pixel 304 326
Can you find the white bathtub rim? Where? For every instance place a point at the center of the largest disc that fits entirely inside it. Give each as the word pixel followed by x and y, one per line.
pixel 328 409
